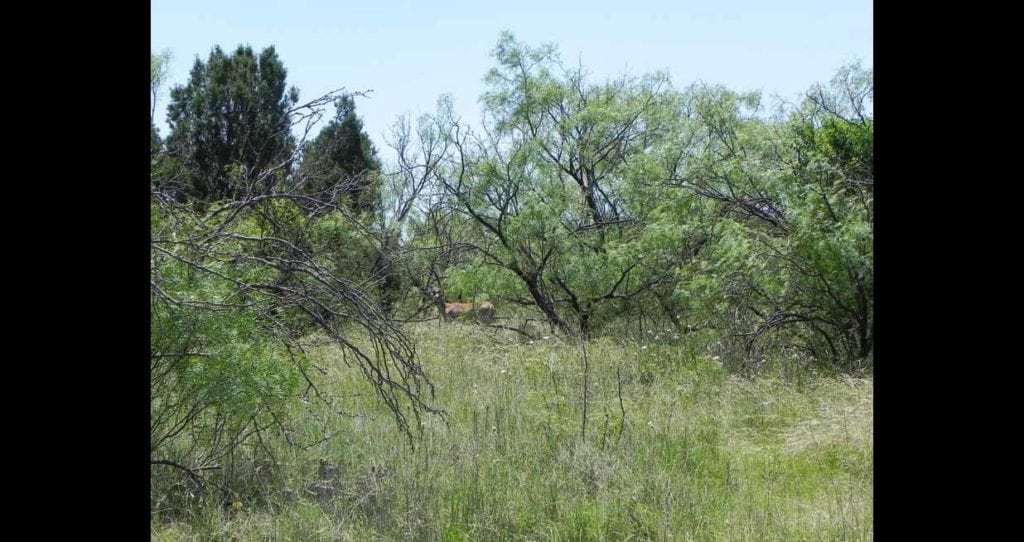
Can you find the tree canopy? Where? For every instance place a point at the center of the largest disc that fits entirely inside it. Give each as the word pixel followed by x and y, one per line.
pixel 230 125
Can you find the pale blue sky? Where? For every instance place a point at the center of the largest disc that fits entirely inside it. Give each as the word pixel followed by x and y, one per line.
pixel 411 52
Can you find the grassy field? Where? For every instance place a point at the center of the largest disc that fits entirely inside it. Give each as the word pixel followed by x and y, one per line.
pixel 676 448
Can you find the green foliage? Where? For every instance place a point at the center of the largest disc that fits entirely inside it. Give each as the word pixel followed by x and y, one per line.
pixel 154 141
pixel 237 288
pixel 626 199
pixel 550 190
pixel 218 370
pixel 233 112
pixel 791 261
pixel 342 157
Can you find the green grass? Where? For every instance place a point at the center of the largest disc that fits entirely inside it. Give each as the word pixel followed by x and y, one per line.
pixel 700 454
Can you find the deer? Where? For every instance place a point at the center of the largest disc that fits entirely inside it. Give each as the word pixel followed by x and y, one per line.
pixel 484 312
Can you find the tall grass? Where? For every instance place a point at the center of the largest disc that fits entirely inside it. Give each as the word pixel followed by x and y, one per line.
pixel 676 448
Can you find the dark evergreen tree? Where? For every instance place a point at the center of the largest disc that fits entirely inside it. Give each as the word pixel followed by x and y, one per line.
pixel 230 125
pixel 343 157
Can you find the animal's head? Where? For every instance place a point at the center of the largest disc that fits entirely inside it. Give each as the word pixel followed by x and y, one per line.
pixel 485 311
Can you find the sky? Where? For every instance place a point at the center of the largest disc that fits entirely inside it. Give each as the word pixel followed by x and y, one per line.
pixel 411 52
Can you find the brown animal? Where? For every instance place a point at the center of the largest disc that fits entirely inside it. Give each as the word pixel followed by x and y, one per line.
pixel 483 311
